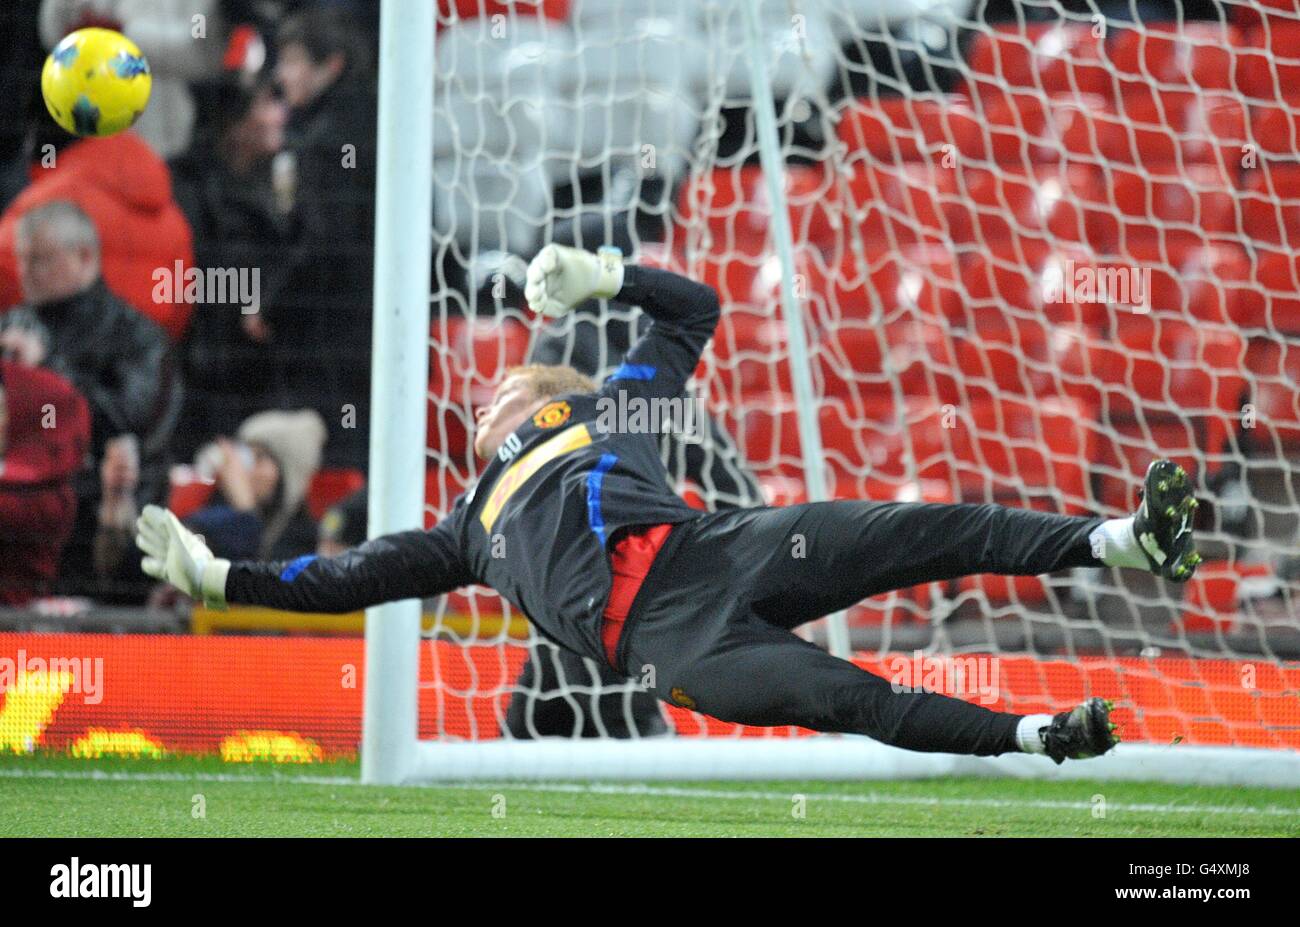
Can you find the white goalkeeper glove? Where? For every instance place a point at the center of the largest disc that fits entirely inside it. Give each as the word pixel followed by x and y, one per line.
pixel 560 277
pixel 178 556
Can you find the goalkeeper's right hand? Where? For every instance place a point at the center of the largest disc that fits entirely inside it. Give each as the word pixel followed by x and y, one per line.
pixel 561 277
pixel 178 556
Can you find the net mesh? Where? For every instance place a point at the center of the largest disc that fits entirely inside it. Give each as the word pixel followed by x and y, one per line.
pixel 1032 255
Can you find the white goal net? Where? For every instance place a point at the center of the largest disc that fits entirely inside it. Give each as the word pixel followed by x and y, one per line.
pixel 1034 246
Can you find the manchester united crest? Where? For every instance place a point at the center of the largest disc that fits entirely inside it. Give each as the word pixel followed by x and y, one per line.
pixel 553 414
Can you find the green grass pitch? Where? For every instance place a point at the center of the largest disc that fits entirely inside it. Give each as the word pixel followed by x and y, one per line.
pixel 63 797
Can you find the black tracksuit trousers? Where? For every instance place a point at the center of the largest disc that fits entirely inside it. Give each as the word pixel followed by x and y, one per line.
pixel 712 626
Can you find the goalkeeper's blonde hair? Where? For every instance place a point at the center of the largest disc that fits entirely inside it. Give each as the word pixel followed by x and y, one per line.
pixel 547 380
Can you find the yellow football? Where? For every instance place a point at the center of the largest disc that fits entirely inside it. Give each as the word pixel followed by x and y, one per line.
pixel 96 82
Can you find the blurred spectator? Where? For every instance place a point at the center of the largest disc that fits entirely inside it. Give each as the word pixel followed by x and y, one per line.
pixel 223 184
pixel 260 511
pixel 119 360
pixel 126 189
pixel 344 524
pixel 317 311
pixel 116 561
pixel 20 70
pixel 44 435
pixel 183 40
pixel 266 15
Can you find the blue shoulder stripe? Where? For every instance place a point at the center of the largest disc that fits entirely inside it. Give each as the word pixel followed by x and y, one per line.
pixel 595 480
pixel 634 372
pixel 296 566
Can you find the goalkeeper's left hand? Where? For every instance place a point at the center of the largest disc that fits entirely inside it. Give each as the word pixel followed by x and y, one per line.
pixel 178 556
pixel 561 277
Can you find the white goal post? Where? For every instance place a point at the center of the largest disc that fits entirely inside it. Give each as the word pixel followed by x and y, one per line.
pixel 819 335
pixel 403 217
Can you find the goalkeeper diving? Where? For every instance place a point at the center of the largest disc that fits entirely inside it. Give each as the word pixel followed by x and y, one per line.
pixel 574 523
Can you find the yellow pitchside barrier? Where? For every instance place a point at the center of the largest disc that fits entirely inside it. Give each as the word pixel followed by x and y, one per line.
pixel 461 625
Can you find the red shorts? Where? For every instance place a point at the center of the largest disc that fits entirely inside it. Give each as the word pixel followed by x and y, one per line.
pixel 629 559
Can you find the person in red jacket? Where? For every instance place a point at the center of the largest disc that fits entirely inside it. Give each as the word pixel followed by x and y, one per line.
pixel 126 190
pixel 44 437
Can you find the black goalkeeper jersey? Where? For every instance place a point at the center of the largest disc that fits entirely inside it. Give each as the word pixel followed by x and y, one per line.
pixel 536 525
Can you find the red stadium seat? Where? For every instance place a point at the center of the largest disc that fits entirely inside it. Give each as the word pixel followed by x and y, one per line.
pixel 1211 600
pixel 1058 58
pixel 1145 131
pixel 441 487
pixel 468 359
pixel 188 493
pixel 749 354
pixel 451 10
pixel 904 204
pixel 1087 130
pixel 1067 203
pixel 1174 367
pixel 1005 354
pixel 449 419
pixel 1164 383
pixel 807 190
pixel 1277 307
pixel 736 278
pixel 732 205
pixel 1013 131
pixel 851 361
pixel 783 490
pixel 1270 61
pixel 1271 205
pixel 721 202
pixel 1276 129
pixel 910 291
pixel 1157 129
pixel 905 606
pixel 1003 57
pixel 1182 208
pixel 1275 395
pixel 1005 276
pixel 926 279
pixel 914 280
pixel 1209 283
pixel 903 128
pixel 1162 130
pixel 1163 57
pixel 768 431
pixel 1028 276
pixel 481 348
pixel 330 486
pixel 1023 590
pixel 1032 450
pixel 1049 444
pixel 1069 363
pixel 1215 283
pixel 1252 16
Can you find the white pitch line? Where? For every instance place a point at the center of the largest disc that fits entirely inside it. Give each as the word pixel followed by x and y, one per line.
pixel 654 791
pixel 876 798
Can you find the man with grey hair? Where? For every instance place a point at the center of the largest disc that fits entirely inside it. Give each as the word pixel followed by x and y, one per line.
pixel 115 356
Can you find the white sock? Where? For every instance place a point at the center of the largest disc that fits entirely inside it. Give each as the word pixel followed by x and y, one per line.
pixel 1027 733
pixel 1114 544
